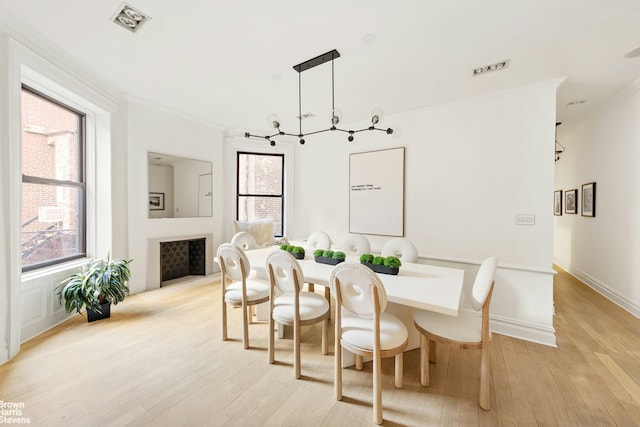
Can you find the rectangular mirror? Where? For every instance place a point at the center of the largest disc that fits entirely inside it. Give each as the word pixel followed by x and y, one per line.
pixel 179 187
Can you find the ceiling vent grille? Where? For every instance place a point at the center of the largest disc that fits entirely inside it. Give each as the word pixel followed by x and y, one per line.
pixel 129 17
pixel 493 67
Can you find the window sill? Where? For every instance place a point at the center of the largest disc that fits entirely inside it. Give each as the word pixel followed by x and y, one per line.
pixel 54 269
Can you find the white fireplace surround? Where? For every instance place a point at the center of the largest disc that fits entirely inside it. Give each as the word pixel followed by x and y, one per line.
pixel 154 275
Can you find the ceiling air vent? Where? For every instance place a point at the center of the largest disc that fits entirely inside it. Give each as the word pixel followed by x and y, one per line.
pixel 493 67
pixel 129 17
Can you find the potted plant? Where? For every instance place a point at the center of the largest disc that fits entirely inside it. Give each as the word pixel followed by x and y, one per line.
pixel 388 265
pixel 298 252
pixel 98 284
pixel 328 257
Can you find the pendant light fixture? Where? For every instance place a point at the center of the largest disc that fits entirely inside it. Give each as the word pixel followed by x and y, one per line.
pixel 336 115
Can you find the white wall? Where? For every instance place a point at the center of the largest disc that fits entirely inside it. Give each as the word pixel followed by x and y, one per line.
pixel 470 167
pixel 154 129
pixel 604 148
pixel 187 179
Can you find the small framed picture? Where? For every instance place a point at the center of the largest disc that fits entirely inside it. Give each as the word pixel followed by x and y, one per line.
pixel 571 201
pixel 557 202
pixel 589 199
pixel 156 201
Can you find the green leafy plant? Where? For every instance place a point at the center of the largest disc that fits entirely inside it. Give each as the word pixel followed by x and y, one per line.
pixel 327 254
pixel 318 252
pixel 392 261
pixel 298 250
pixel 378 260
pixel 366 258
pixel 284 246
pixel 339 255
pixel 97 282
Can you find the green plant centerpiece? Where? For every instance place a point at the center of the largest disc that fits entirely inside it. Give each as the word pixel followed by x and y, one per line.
pixel 379 264
pixel 329 257
pixel 297 252
pixel 98 284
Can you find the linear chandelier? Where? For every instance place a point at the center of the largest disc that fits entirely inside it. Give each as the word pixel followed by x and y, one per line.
pixel 376 114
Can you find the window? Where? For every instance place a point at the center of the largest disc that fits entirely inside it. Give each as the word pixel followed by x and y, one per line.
pixel 260 188
pixel 53 182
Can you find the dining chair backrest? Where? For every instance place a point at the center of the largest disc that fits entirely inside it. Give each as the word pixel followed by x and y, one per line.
pixel 355 244
pixel 285 272
pixel 318 240
pixel 400 247
pixel 233 261
pixel 483 282
pixel 244 240
pixel 352 284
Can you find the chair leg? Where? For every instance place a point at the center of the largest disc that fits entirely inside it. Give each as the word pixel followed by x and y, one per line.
pixel 270 341
pixel 485 376
pixel 251 313
pixel 358 362
pixel 245 327
pixel 224 320
pixel 311 287
pixel 424 360
pixel 337 369
pixel 377 390
pixel 325 336
pixel 399 369
pixel 296 350
pixel 327 296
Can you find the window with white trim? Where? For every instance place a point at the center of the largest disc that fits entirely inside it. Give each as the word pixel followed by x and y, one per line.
pixel 53 222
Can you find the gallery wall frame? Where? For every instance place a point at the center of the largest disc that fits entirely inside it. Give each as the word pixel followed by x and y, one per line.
pixel 557 202
pixel 571 201
pixel 156 201
pixel 589 199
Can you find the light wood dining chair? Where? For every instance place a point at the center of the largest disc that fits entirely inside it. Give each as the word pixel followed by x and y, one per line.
pixel 244 240
pixel 363 328
pixel 400 247
pixel 242 291
pixel 467 330
pixel 355 244
pixel 318 240
pixel 289 305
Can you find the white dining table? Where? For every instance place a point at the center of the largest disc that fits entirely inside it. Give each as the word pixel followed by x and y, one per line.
pixel 421 286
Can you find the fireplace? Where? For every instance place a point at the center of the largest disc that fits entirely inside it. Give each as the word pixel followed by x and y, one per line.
pixel 182 258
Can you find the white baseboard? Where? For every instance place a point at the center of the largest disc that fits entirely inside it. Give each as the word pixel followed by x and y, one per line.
pixel 524 331
pixel 606 292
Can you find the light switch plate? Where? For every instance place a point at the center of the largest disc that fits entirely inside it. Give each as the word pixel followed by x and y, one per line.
pixel 525 219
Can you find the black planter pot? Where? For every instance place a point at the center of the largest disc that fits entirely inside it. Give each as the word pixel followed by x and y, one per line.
pixel 297 256
pixel 105 309
pixel 330 261
pixel 383 269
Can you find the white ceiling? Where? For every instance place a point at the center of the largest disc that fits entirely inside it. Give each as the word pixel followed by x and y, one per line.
pixel 230 62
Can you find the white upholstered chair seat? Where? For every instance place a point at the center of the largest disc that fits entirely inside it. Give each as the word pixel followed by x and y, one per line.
pixel 358 332
pixel 465 327
pixel 312 306
pixel 256 291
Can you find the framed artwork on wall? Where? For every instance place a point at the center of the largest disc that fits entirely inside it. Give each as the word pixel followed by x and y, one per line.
pixel 557 202
pixel 156 201
pixel 589 199
pixel 571 201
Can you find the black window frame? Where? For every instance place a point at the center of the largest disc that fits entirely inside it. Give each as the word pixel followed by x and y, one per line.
pixel 281 196
pixel 80 185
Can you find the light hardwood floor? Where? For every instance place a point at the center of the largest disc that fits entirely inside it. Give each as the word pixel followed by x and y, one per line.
pixel 159 361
